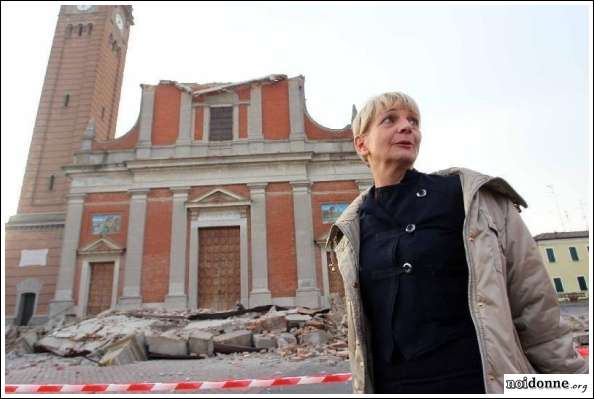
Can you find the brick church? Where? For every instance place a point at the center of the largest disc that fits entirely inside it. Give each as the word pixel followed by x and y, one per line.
pixel 221 193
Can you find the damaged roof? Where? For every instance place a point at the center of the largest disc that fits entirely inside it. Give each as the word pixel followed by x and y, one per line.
pixel 197 89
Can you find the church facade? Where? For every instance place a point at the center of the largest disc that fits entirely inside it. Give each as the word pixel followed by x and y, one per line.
pixel 221 193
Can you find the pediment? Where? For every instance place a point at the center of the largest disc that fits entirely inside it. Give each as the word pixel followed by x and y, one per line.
pixel 102 245
pixel 219 197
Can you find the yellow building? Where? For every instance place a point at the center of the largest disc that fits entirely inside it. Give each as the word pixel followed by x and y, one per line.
pixel 566 257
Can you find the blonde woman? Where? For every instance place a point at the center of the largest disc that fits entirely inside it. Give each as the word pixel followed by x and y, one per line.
pixel 446 291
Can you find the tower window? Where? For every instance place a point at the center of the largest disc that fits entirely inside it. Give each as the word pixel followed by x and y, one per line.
pixel 66 99
pixel 80 29
pixel 69 29
pixel 52 180
pixel 102 113
pixel 89 29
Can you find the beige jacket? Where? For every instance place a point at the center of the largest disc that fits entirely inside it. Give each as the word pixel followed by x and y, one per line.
pixel 512 301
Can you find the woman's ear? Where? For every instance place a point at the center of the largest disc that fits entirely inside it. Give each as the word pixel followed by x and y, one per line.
pixel 361 146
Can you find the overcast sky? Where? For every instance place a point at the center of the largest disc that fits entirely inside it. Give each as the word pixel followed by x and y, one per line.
pixel 503 89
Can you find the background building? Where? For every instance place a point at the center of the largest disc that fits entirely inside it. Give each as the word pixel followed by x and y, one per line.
pixel 566 256
pixel 220 194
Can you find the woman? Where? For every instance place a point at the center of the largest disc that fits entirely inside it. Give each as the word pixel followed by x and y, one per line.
pixel 446 291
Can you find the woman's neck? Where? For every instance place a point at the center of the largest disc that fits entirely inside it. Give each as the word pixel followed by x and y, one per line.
pixel 387 175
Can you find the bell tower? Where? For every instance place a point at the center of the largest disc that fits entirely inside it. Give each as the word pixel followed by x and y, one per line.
pixel 82 84
pixel 83 81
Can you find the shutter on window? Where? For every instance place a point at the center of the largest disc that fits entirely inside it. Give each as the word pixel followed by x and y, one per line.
pixel 221 123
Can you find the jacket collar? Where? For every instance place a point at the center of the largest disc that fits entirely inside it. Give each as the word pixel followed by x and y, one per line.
pixel 472 181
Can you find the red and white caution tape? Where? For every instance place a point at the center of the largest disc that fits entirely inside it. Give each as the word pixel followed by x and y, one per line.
pixel 190 385
pixel 177 386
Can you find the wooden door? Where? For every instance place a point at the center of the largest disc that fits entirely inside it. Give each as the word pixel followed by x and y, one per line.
pixel 100 287
pixel 219 279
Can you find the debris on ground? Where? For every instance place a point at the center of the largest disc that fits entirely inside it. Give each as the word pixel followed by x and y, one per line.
pixel 118 337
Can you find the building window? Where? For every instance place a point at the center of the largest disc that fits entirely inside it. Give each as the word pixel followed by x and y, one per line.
pixel 551 255
pixel 558 284
pixel 221 123
pixel 573 253
pixel 80 29
pixel 52 179
pixel 89 29
pixel 102 113
pixel 66 99
pixel 26 307
pixel 69 29
pixel 582 283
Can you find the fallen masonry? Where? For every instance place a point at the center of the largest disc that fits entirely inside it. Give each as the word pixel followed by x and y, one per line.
pixel 120 337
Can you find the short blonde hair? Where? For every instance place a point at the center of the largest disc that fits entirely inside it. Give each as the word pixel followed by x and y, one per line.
pixel 377 104
pixel 362 121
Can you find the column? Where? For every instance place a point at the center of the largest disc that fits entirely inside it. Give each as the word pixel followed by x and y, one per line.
pixel 296 109
pixel 260 294
pixel 132 297
pixel 143 148
pixel 255 114
pixel 63 301
pixel 184 136
pixel 326 281
pixel 364 184
pixel 205 123
pixel 236 121
pixel 307 293
pixel 193 261
pixel 177 298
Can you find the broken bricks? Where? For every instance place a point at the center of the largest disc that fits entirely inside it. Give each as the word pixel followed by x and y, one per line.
pixel 166 345
pixel 235 338
pixel 297 320
pixel 200 343
pixel 262 341
pixel 314 337
pixel 124 351
pixel 295 333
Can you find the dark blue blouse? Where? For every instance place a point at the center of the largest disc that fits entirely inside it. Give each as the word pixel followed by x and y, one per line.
pixel 414 282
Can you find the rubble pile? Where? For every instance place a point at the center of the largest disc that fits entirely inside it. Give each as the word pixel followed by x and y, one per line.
pixel 579 327
pixel 121 337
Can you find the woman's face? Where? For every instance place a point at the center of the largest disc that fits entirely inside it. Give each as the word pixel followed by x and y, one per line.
pixel 393 137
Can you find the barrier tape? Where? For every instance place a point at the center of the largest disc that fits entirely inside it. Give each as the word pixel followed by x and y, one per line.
pixel 584 351
pixel 191 385
pixel 177 386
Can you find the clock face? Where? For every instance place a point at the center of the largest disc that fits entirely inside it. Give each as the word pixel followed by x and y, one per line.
pixel 119 20
pixel 84 7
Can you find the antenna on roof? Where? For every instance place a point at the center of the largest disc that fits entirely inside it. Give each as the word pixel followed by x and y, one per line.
pixel 353 113
pixel 583 209
pixel 550 187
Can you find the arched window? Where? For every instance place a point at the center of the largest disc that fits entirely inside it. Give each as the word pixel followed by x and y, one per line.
pixel 52 180
pixel 89 29
pixel 80 29
pixel 69 29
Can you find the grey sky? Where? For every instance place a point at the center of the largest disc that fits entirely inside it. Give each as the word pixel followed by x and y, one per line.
pixel 503 89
